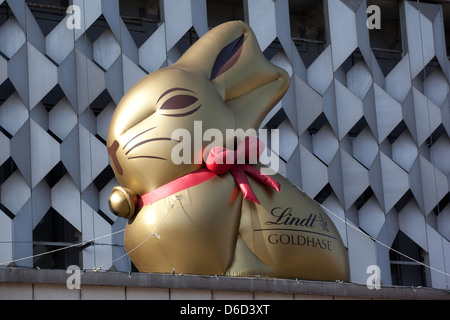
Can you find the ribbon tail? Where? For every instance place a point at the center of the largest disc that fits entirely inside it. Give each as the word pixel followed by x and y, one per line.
pixel 241 178
pixel 257 174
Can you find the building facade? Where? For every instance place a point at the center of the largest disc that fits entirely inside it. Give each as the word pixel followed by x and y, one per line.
pixel 364 127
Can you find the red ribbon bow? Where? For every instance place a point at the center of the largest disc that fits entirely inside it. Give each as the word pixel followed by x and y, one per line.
pixel 220 160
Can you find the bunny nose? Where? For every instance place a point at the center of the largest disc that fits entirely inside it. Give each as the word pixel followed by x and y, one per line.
pixel 112 151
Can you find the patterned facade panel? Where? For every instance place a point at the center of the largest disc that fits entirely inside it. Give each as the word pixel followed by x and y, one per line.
pixel 371 145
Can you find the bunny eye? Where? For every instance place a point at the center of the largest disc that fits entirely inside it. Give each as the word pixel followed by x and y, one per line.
pixel 227 57
pixel 181 101
pixel 173 90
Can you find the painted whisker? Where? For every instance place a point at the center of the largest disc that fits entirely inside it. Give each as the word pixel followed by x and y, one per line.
pixel 148 141
pixel 137 136
pixel 147 157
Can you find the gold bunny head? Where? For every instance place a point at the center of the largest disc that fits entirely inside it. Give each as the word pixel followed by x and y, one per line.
pixel 223 80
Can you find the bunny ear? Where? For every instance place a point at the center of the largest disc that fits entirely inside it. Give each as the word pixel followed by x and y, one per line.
pixel 228 57
pixel 217 51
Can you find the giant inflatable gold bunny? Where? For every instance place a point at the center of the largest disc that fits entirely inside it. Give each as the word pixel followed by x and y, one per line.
pixel 220 218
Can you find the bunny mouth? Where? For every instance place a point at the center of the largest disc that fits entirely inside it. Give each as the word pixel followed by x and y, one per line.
pixel 112 151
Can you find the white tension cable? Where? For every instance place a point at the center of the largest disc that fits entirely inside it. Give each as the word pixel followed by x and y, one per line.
pixel 178 199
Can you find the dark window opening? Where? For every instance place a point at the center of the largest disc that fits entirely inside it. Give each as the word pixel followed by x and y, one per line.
pixel 308 31
pixel 104 178
pixel 317 124
pixel 53 97
pixel 405 272
pixel 54 232
pixel 276 120
pixel 273 49
pixel 5 13
pixel 388 36
pixel 403 200
pixel 7 169
pixel 56 174
pixel 446 15
pixel 221 11
pixel 189 38
pixel 324 194
pixel 6 90
pixel 142 18
pixel 386 42
pixel 48 13
pixel 442 204
pixel 363 198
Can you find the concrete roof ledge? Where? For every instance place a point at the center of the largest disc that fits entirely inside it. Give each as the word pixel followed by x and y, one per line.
pixel 213 283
